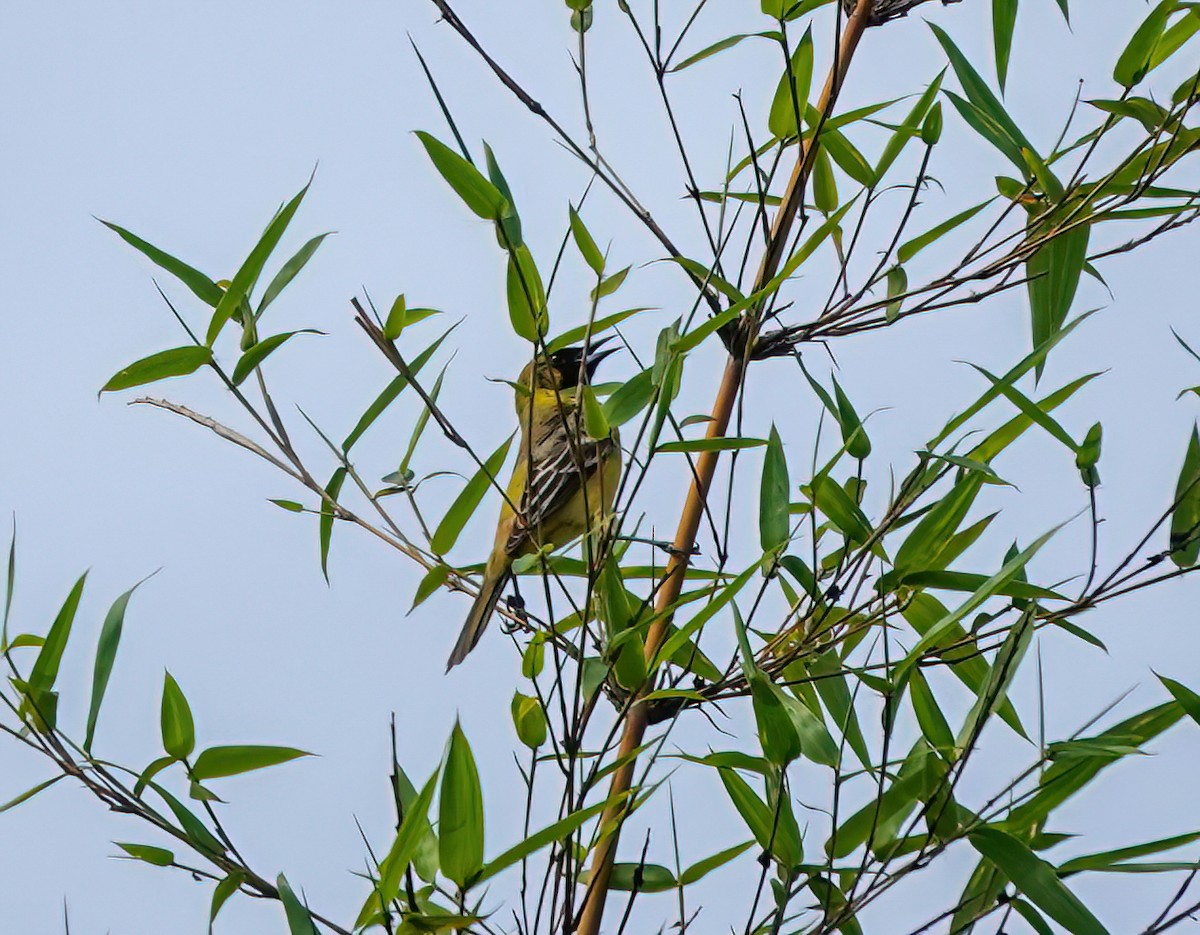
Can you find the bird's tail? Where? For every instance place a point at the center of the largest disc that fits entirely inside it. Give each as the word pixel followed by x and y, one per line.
pixel 495 576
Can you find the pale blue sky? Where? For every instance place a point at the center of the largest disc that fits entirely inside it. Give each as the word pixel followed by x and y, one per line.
pixel 189 124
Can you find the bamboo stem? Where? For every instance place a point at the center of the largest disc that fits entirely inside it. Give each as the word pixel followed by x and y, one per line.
pixel 706 466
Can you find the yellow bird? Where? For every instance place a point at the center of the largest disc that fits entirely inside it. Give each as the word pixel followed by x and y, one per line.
pixel 563 483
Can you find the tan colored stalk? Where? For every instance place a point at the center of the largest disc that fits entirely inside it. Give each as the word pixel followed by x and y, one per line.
pixel 706 466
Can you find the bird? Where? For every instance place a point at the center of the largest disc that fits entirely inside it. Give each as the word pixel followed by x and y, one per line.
pixel 563 483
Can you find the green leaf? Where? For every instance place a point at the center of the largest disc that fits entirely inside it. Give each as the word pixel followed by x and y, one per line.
pixel 641 878
pixel 595 328
pixel 299 919
pixel 1185 515
pixel 393 390
pixel 289 271
pixel 413 831
pixel 924 547
pixel 932 721
pixel 835 504
pixel 911 248
pixel 468 500
pixel 846 155
pixel 719 46
pixel 529 719
pixel 221 893
pixel 508 230
pixel 1004 21
pixel 908 128
pixel 526 296
pixel 978 92
pixel 897 285
pixel 824 184
pixel 460 813
pixel 430 582
pixel 1036 879
pixel 703 868
pixel 260 350
pixel 106 654
pixel 1188 699
pixel 610 284
pixel 931 129
pixel 477 193
pixel 176 362
pixel 218 762
pixel 1089 454
pixel 791 95
pixel 30 793
pixel 587 246
pixel 774 520
pixel 539 839
pixel 290 505
pixel 204 288
pixel 1054 272
pixel 711 444
pixel 776 732
pixel 1035 413
pixel 1134 61
pixel 159 856
pixel 1175 36
pixel 630 398
pixel 1106 859
pixel 759 818
pixel 248 273
pixel 178 729
pixel 858 445
pixel 680 637
pixel 198 835
pixel 325 524
pixel 45 668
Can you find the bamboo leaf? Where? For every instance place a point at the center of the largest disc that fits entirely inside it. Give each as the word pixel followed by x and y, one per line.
pixel 218 762
pixel 260 351
pixel 703 868
pixel 1185 516
pixel 325 524
pixel 468 500
pixel 911 248
pixel 248 273
pixel 299 919
pixel 289 271
pixel 539 839
pixel 1134 61
pixel 204 288
pixel 45 668
pixel 587 246
pixel 791 94
pixel 178 729
pixel 158 856
pixel 176 362
pixel 106 654
pixel 475 190
pixel 774 519
pixel 1036 879
pixel 460 813
pixel 1004 21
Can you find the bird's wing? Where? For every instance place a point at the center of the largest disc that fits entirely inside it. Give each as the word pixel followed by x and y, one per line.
pixel 562 457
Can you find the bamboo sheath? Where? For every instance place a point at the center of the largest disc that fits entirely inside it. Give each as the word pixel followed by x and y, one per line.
pixel 706 466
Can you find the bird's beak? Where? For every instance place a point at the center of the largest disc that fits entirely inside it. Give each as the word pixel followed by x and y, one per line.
pixel 595 355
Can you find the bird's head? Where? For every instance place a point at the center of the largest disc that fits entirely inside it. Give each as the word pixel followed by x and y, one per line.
pixel 567 368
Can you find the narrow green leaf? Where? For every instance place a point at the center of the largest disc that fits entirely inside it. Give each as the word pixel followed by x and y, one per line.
pixel 711 444
pixel 413 831
pixel 1004 21
pixel 393 390
pixel 680 637
pixel 641 878
pixel 630 398
pixel 197 834
pixel 299 919
pixel 218 762
pixel 909 127
pixel 178 729
pixel 176 362
pixel 468 500
pixel 204 288
pixel 610 284
pixel 1037 880
pixel 1185 516
pixel 1106 859
pixel 1188 699
pixel 719 46
pixel 703 868
pixel 587 246
pixel 1134 61
pixel 45 668
pixel 248 273
pixel 221 893
pixel 106 654
pixel 835 504
pixel 759 818
pixel 460 813
pixel 776 732
pixel 791 94
pixel 476 191
pixel 911 248
pixel 260 350
pixel 159 856
pixel 30 793
pixel 289 271
pixel 858 445
pixel 774 519
pixel 1054 272
pixel 526 296
pixel 325 524
pixel 594 329
pixel 1035 413
pixel 539 839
